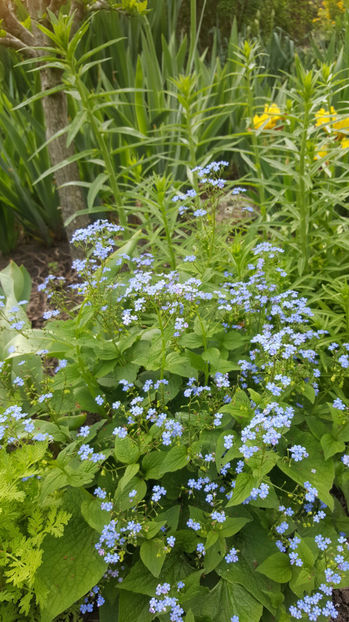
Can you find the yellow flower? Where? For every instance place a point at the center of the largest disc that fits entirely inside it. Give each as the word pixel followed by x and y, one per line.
pixel 269 117
pixel 325 116
pixel 341 125
pixel 322 153
pixel 345 143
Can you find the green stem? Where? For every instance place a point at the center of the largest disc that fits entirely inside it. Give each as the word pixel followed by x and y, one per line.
pixel 167 233
pixel 255 147
pixel 103 147
pixel 303 194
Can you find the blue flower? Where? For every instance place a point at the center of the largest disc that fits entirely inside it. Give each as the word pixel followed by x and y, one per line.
pixel 100 493
pixel 107 505
pixel 231 556
pixel 120 432
pixel 282 527
pixel 322 543
pixel 218 516
pixel 193 524
pixel 200 549
pixel 345 459
pixel 298 453
pixel 311 493
pixel 157 493
pixel 199 212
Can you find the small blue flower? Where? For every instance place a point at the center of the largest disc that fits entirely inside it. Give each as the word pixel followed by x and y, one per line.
pixel 282 527
pixel 218 516
pixel 200 549
pixel 231 556
pixel 193 524
pixel 107 505
pixel 298 453
pixel 100 493
pixel 199 212
pixel 158 492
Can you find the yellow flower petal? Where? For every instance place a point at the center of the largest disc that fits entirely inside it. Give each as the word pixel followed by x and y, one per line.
pixel 322 153
pixel 324 117
pixel 269 118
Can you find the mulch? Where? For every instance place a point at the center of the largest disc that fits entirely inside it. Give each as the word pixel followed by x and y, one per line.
pixel 41 261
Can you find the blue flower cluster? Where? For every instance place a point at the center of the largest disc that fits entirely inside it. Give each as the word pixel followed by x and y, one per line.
pixel 166 603
pixel 93 598
pixel 16 427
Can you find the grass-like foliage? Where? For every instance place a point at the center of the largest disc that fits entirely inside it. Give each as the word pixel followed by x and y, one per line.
pixel 173 448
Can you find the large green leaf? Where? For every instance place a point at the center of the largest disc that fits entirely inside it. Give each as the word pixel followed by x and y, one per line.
pixel 262 588
pixel 126 450
pixel 153 555
pixel 122 499
pixel 315 469
pixel 331 446
pixel 175 459
pixel 15 283
pixel 277 567
pixel 134 608
pixel 139 580
pixel 244 484
pixel 227 599
pixel 70 565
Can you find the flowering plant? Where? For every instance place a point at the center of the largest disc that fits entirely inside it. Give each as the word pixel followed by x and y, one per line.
pixel 194 430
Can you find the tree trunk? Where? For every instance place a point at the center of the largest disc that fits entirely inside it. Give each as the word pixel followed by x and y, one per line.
pixel 55 106
pixel 56 118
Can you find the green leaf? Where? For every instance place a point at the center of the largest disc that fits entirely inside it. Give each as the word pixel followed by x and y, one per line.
pixel 211 539
pixel 140 580
pixel 175 459
pixel 226 600
pixel 130 471
pixel 93 515
pixel 243 486
pixel 214 555
pixel 231 526
pixel 152 528
pixel 315 469
pixel 309 392
pixel 139 99
pixel 239 407
pixel 122 499
pixel 126 450
pixel 95 187
pixel 331 446
pixel 267 592
pixel 15 283
pixel 152 464
pixel 134 608
pixel 75 126
pixel 180 365
pixel 277 567
pixel 222 455
pixel 153 555
pixel 70 565
pixel 190 340
pixel 171 516
pixel 302 579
